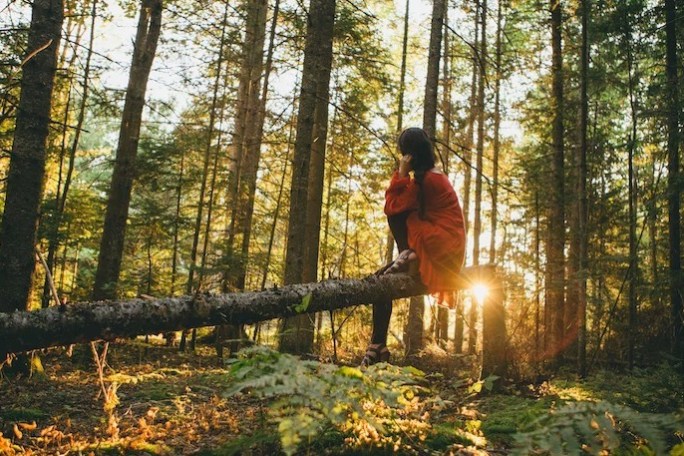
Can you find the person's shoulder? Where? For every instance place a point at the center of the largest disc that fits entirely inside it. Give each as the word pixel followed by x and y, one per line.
pixel 437 175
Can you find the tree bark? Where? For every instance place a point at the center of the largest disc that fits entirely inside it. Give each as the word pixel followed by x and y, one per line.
pixel 493 325
pixel 674 185
pixel 470 130
pixel 555 243
pixel 497 139
pixel 442 327
pixel 432 79
pixel 256 135
pixel 632 193
pixel 112 243
pixel 297 333
pixel 106 320
pixel 413 333
pixel 477 223
pixel 389 250
pixel 62 194
pixel 27 164
pixel 583 213
pixel 253 114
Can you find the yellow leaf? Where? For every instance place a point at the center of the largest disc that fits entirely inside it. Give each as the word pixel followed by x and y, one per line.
pixel 17 432
pixel 28 427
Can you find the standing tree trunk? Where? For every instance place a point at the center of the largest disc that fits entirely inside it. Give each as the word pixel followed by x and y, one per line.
pixel 674 187
pixel 281 189
pixel 112 243
pixel 470 130
pixel 254 144
pixel 497 140
pixel 253 112
pixel 583 214
pixel 190 284
pixel 400 113
pixel 27 164
pixel 442 328
pixel 537 279
pixel 62 197
pixel 477 224
pixel 413 334
pixel 432 80
pixel 633 273
pixel 296 333
pixel 555 278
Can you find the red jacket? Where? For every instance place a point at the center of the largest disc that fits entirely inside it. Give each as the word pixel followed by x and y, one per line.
pixel 439 240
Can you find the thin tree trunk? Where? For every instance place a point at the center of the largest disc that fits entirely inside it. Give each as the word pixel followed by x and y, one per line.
pixel 210 207
pixel 477 228
pixel 477 224
pixel 176 225
pixel 470 130
pixel 442 327
pixel 674 187
pixel 274 225
pixel 432 80
pixel 190 284
pixel 497 140
pixel 537 278
pixel 413 335
pixel 53 230
pixel 389 252
pixel 582 195
pixel 459 319
pixel 297 333
pixel 326 270
pixel 27 163
pixel 633 326
pixel 62 194
pixel 255 113
pixel 555 278
pixel 652 214
pixel 112 243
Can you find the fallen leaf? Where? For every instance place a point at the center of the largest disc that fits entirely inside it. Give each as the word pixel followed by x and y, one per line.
pixel 28 427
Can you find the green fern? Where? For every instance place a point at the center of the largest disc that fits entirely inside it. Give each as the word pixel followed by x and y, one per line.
pixel 592 427
pixel 373 408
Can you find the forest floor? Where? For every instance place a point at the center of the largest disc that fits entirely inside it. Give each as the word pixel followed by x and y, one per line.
pixel 162 402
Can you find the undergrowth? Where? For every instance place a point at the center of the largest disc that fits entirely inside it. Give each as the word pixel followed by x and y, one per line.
pixel 385 408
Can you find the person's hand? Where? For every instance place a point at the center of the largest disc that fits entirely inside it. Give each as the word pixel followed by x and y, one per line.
pixel 404 165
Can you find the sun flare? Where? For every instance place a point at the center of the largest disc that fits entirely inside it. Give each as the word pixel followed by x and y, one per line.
pixel 479 292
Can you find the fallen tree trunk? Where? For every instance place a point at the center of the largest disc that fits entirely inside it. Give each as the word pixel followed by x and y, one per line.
pixel 84 322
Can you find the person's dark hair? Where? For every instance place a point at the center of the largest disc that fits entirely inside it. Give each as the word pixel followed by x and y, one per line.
pixel 416 143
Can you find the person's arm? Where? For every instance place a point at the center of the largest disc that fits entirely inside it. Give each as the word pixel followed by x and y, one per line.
pixel 401 195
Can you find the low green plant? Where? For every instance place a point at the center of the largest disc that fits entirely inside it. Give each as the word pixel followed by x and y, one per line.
pixel 384 407
pixel 595 427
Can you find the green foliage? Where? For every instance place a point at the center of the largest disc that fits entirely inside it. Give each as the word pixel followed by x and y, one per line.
pixel 371 408
pixel 657 389
pixel 304 304
pixel 23 414
pixel 593 427
pixel 508 415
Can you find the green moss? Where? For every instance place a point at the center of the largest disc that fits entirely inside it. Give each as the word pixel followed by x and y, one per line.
pixel 443 435
pixel 503 416
pixel 263 441
pixel 23 414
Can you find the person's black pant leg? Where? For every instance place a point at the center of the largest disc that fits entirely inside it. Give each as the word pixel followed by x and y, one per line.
pixel 382 310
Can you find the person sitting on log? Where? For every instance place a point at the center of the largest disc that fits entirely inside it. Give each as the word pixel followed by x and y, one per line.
pixel 426 220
